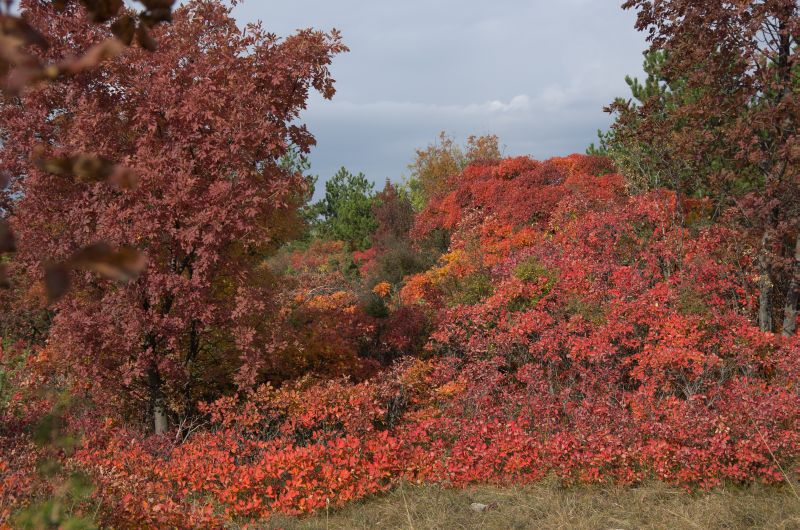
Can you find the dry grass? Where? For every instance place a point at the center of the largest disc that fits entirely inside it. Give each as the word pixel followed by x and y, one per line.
pixel 548 506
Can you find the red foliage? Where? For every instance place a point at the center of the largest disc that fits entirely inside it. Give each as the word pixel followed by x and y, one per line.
pixel 321 325
pixel 569 329
pixel 603 342
pixel 517 191
pixel 212 198
pixel 297 449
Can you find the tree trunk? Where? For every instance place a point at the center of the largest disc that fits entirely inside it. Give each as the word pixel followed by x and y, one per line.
pixel 676 183
pixel 766 285
pixel 191 355
pixel 792 294
pixel 157 405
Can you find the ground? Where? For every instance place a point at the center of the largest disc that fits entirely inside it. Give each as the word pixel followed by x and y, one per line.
pixel 548 506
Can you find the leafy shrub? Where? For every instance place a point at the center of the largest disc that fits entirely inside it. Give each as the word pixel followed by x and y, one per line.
pixel 471 289
pixel 530 270
pixel 617 373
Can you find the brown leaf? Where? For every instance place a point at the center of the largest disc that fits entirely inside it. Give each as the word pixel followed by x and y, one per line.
pixel 124 28
pixel 56 280
pixel 88 168
pixel 31 71
pixel 153 17
pixel 21 77
pixel 145 40
pixel 98 53
pixel 17 27
pixel 12 53
pixel 123 178
pixel 7 241
pixel 55 165
pixel 123 264
pixel 158 4
pixel 27 69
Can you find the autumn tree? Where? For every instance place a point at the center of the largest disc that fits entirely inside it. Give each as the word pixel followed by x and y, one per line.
pixel 23 318
pixel 24 62
pixel 737 62
pixel 445 158
pixel 483 148
pixel 394 215
pixel 203 125
pixel 641 139
pixel 396 255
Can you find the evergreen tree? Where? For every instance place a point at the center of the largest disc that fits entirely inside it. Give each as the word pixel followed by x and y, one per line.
pixel 345 213
pixel 642 149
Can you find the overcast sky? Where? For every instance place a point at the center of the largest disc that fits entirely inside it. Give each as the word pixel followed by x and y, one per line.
pixel 537 73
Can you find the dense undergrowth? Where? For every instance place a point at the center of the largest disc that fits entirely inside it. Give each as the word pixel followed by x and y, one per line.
pixel 569 329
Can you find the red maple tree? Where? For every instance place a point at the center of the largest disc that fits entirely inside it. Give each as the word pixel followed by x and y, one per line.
pixel 202 125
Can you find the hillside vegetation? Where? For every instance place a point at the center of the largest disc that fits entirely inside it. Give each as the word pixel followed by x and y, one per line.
pixel 574 331
pixel 190 341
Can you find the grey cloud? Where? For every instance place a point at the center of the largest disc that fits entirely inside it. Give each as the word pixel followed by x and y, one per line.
pixel 535 72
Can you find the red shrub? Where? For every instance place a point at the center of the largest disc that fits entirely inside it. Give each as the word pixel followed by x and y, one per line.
pixel 604 343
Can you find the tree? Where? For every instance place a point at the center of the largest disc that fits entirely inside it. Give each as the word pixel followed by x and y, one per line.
pixel 395 254
pixel 345 213
pixel 203 124
pixel 737 62
pixel 21 66
pixel 640 141
pixel 482 148
pixel 443 159
pixel 394 215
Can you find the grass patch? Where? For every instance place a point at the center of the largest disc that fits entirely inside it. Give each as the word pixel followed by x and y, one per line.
pixel 546 505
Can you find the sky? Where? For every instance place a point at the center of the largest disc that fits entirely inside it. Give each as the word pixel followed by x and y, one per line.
pixel 536 73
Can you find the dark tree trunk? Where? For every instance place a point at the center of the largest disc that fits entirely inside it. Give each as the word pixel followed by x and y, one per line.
pixel 191 355
pixel 766 285
pixel 776 170
pixel 792 294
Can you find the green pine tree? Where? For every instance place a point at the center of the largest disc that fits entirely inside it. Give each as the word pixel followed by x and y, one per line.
pixel 345 213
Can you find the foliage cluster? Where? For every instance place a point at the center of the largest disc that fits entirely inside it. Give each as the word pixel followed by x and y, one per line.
pixel 499 321
pixel 588 360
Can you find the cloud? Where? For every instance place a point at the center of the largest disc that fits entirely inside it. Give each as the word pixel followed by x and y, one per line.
pixel 518 104
pixel 535 72
pixel 379 138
